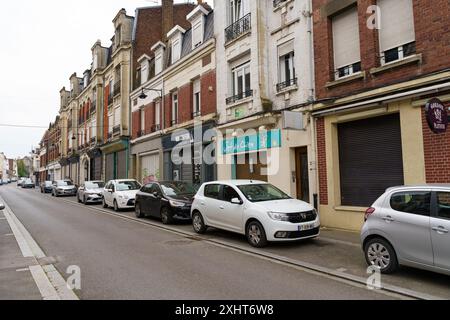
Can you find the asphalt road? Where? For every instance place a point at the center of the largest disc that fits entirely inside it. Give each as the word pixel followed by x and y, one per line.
pixel 122 259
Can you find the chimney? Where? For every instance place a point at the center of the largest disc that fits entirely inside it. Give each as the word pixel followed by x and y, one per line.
pixel 167 18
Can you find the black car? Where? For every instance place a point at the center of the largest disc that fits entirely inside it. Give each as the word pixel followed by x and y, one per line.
pixel 46 187
pixel 169 201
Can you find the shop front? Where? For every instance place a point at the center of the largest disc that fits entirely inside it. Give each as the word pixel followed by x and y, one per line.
pixel 115 157
pixel 188 155
pixel 147 159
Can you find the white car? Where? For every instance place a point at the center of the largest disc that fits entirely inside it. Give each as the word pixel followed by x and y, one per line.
pixel 256 209
pixel 120 194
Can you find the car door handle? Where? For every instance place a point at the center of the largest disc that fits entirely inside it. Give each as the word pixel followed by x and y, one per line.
pixel 202 203
pixel 388 219
pixel 440 229
pixel 221 207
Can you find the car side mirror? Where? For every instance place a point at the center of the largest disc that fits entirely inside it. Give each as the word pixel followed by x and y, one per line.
pixel 236 201
pixel 2 206
pixel 110 190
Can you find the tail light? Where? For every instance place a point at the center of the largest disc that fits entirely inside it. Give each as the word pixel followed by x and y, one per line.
pixel 368 213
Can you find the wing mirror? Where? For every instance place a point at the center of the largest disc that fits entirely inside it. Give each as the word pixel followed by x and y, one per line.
pixel 2 206
pixel 237 201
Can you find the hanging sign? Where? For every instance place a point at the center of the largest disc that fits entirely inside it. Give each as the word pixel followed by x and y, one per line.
pixel 437 116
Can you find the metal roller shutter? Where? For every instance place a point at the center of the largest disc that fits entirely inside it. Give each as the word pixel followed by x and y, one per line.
pixel 370 158
pixel 122 165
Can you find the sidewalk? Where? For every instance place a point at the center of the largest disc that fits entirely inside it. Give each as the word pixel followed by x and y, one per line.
pixel 16 281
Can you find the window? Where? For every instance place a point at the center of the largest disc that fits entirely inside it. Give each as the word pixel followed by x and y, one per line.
pixel 262 193
pixel 94 128
pixel 176 50
pixel 175 108
pixel 443 200
pixel 197 34
pixel 238 9
pixel 229 194
pixel 158 64
pixel 196 95
pixel 412 202
pixel 142 115
pixel 158 113
pixel 397 36
pixel 117 116
pixel 110 123
pixel 241 80
pixel 144 73
pixel 286 67
pixel 346 45
pixel 212 191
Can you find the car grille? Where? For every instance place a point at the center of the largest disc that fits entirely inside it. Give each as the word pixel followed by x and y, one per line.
pixel 301 217
pixel 303 234
pixel 131 202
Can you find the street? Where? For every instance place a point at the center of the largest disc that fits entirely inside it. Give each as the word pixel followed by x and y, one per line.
pixel 121 258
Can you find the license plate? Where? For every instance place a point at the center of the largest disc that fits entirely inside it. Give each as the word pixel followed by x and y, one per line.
pixel 306 227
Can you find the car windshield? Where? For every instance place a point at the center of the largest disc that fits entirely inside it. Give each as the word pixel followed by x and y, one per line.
pixel 262 192
pixel 64 183
pixel 173 189
pixel 48 183
pixel 26 181
pixel 94 185
pixel 127 186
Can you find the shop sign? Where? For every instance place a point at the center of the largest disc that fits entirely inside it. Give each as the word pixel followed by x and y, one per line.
pixel 437 117
pixel 264 140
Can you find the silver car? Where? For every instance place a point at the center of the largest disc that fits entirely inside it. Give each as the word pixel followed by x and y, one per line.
pixel 63 188
pixel 409 226
pixel 91 192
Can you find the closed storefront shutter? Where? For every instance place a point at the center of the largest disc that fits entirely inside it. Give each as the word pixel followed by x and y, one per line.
pixel 150 168
pixel 109 166
pixel 370 158
pixel 122 165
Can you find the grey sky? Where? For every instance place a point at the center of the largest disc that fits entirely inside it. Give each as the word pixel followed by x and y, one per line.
pixel 43 43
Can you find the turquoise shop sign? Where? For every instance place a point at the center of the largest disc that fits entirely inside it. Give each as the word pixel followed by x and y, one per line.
pixel 265 140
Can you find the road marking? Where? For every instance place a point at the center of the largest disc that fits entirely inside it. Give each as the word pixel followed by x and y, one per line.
pixel 23 270
pixel 49 281
pixel 353 280
pixel 8 234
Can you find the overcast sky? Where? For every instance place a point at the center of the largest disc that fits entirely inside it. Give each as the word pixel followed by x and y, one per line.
pixel 43 43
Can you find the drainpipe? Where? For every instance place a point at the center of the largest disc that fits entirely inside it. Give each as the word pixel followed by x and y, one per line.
pixel 308 14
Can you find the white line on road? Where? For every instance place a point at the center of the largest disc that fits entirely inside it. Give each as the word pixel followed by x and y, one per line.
pixel 49 281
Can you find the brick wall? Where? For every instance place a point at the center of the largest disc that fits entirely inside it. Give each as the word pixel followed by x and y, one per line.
pixel 437 153
pixel 185 102
pixel 208 98
pixel 136 124
pixel 322 161
pixel 432 28
pixel 149 114
pixel 167 110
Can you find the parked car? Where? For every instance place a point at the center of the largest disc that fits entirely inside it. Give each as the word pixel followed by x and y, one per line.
pixel 5 181
pixel 20 182
pixel 120 194
pixel 14 179
pixel 46 187
pixel 28 184
pixel 63 188
pixel 91 192
pixel 256 209
pixel 409 226
pixel 168 200
pixel 2 206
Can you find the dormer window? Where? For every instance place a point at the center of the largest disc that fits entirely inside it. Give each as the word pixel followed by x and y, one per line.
pixel 197 20
pixel 176 37
pixel 158 49
pixel 144 62
pixel 176 50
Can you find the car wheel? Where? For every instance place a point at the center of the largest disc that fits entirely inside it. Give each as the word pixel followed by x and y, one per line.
pixel 198 223
pixel 105 205
pixel 116 207
pixel 166 218
pixel 138 211
pixel 256 236
pixel 380 254
pixel 78 198
pixel 84 200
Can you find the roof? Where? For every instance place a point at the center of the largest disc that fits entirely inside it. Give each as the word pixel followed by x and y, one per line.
pixel 207 35
pixel 420 186
pixel 238 182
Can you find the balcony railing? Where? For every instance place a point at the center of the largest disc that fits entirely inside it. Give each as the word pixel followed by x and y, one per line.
pixel 174 122
pixel 239 96
pixel 116 130
pixel 117 88
pixel 110 135
pixel 276 3
pixel 155 128
pixel 196 114
pixel 238 28
pixel 286 84
pixel 92 141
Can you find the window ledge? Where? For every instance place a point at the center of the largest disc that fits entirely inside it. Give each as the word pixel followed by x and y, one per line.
pixel 287 89
pixel 353 77
pixel 350 209
pixel 240 102
pixel 238 38
pixel 417 58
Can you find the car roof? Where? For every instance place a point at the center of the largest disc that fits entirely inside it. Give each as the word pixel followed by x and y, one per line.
pixel 237 182
pixel 431 186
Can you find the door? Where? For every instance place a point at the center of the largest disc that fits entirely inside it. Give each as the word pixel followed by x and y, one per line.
pixel 440 228
pixel 210 204
pixel 155 201
pixel 230 214
pixel 144 199
pixel 251 166
pixel 109 196
pixel 302 174
pixel 407 222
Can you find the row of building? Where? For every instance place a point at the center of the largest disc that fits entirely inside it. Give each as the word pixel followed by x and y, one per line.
pixel 9 168
pixel 332 101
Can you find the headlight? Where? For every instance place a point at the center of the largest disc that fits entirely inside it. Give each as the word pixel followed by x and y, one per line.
pixel 278 216
pixel 124 197
pixel 177 204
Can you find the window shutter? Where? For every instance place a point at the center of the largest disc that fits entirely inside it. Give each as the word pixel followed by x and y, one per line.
pixel 117 116
pixel 197 36
pixel 285 48
pixel 397 23
pixel 245 7
pixel 346 44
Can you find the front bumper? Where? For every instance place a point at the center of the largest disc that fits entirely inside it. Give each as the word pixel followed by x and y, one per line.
pixel 126 203
pixel 182 214
pixel 94 198
pixel 285 231
pixel 66 192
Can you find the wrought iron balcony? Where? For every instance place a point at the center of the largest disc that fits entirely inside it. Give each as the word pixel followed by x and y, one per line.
pixel 239 96
pixel 92 141
pixel 196 114
pixel 276 3
pixel 155 128
pixel 238 28
pixel 286 84
pixel 110 134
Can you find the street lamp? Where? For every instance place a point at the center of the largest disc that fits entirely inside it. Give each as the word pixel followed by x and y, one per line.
pixel 143 96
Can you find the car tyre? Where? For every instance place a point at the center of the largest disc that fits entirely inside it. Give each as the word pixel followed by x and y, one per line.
pixel 256 235
pixel 138 211
pixel 84 200
pixel 380 253
pixel 105 205
pixel 166 218
pixel 198 223
pixel 116 206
